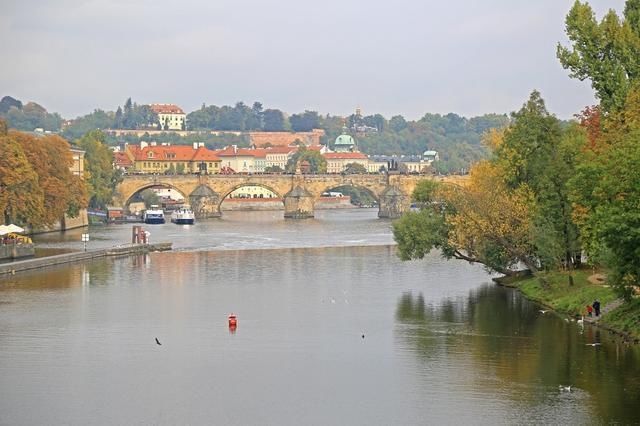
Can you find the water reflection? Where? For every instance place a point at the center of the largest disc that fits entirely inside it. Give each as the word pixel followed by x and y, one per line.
pixel 439 347
pixel 528 353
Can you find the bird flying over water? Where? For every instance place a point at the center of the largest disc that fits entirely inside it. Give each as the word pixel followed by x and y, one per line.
pixel 543 311
pixel 158 342
pixel 593 344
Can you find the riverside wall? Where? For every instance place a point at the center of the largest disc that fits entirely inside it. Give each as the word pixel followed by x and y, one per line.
pixel 60 259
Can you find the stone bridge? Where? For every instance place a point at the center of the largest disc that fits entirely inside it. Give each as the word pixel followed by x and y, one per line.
pixel 299 192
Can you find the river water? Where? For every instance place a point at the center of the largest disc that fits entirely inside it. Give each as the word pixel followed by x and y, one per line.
pixel 332 329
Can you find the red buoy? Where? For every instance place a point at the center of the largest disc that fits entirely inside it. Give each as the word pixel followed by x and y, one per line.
pixel 233 321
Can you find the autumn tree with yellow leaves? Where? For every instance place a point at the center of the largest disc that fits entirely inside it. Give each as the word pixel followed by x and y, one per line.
pixel 514 210
pixel 36 185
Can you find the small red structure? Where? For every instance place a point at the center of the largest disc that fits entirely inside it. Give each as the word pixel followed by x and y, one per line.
pixel 233 320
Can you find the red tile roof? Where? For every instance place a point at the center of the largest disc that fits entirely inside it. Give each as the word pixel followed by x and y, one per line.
pixel 281 149
pixel 122 159
pixel 166 109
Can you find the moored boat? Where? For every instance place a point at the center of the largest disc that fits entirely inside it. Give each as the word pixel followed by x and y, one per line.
pixel 153 215
pixel 183 216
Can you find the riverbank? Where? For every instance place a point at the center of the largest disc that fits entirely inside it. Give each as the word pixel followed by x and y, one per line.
pixel 44 262
pixel 555 291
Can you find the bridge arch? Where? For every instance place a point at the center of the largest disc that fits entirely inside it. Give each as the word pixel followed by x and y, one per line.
pixel 354 190
pixel 133 193
pixel 225 196
pixel 228 191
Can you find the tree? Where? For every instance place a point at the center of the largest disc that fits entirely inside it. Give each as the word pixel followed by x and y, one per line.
pixel 354 169
pixel 516 208
pixel 7 102
pixel 606 53
pixel 118 120
pixel 273 120
pixel 305 122
pixel 127 115
pixel 150 198
pixel 538 153
pixel 397 123
pixel 482 222
pixel 273 169
pixel 21 197
pixel 605 191
pixel 171 170
pixel 50 157
pixel 317 163
pixel 100 176
pixel 97 120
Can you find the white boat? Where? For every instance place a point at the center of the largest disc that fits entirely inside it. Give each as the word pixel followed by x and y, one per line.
pixel 183 216
pixel 153 215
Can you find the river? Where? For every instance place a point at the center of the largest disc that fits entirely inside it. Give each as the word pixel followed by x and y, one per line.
pixel 332 329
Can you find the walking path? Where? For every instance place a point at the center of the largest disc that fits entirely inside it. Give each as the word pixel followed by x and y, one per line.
pixel 610 307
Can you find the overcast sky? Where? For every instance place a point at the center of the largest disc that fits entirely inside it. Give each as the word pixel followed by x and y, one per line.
pixel 393 57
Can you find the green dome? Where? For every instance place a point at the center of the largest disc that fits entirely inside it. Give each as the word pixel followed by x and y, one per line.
pixel 345 140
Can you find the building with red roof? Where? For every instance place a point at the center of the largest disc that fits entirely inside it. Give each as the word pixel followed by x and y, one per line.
pixel 170 116
pixel 173 158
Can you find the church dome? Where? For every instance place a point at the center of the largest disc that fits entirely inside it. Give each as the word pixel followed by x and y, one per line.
pixel 345 140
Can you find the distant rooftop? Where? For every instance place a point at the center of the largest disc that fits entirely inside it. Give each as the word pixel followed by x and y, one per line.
pixel 166 109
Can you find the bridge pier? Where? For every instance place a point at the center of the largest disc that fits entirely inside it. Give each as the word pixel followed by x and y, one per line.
pixel 393 202
pixel 298 204
pixel 205 202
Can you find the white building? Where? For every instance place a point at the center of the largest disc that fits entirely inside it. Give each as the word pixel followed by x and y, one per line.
pixel 170 116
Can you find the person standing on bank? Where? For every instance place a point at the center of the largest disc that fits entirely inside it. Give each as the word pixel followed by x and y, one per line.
pixel 596 308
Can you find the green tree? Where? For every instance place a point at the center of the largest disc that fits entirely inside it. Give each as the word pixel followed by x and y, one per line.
pixel 273 120
pixel 606 53
pixel 150 198
pixel 100 176
pixel 605 191
pixel 304 122
pixel 397 123
pixel 537 152
pixel 273 169
pixel 171 170
pixel 354 169
pixel 317 163
pixel 97 120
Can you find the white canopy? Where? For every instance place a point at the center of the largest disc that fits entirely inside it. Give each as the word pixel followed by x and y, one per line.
pixel 15 228
pixel 7 229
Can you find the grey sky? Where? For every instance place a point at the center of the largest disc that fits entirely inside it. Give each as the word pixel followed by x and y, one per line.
pixel 394 57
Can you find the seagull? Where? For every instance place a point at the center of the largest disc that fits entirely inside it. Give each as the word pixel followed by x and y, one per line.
pixel 158 342
pixel 564 388
pixel 543 311
pixel 593 344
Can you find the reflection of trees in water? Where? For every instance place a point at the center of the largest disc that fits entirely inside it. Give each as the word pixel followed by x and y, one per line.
pixel 509 338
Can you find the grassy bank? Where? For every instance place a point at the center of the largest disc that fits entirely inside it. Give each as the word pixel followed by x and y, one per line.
pixel 554 290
